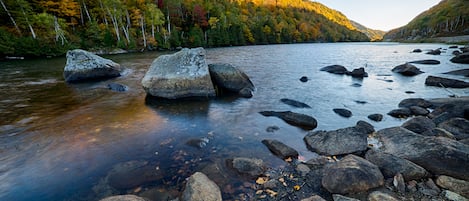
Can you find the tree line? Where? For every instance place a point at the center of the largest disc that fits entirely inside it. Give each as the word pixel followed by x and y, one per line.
pixel 51 27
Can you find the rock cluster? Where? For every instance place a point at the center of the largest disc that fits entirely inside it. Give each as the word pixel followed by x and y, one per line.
pixel 340 70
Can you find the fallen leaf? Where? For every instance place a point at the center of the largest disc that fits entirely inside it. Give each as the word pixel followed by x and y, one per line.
pixel 261 180
pixel 296 187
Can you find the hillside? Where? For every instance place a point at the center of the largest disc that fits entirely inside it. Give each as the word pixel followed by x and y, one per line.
pixel 46 27
pixel 448 18
pixel 374 35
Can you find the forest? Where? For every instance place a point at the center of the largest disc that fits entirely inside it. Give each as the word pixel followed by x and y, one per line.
pixel 51 27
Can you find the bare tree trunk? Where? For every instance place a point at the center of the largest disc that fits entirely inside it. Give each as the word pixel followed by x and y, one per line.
pixel 115 23
pixel 86 11
pixel 143 32
pixel 29 24
pixel 59 34
pixel 11 17
pixel 104 17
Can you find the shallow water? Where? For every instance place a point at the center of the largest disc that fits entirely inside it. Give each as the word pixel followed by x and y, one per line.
pixel 59 141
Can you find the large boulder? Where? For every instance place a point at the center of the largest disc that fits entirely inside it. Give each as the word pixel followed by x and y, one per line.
pixel 179 75
pixel 82 65
pixel 200 188
pixel 407 69
pixel 426 61
pixel 279 149
pixel 301 120
pixel 409 102
pixel 231 79
pixel 445 82
pixel 335 69
pixel 437 155
pixel 352 174
pixel 455 185
pixel 419 124
pixel 462 58
pixel 459 127
pixel 391 165
pixel 336 142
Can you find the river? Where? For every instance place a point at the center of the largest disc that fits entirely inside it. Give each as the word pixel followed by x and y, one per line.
pixel 61 141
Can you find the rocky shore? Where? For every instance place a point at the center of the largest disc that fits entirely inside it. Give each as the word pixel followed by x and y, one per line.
pixel 425 158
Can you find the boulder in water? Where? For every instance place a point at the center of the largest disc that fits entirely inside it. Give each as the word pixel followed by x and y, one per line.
pixel 301 120
pixel 294 103
pixel 461 58
pixel 230 78
pixel 335 69
pixel 445 82
pixel 426 61
pixel 407 69
pixel 83 65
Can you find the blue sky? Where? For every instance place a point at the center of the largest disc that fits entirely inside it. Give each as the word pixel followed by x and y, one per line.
pixel 380 14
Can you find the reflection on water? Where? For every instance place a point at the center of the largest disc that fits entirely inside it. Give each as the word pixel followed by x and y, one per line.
pixel 80 141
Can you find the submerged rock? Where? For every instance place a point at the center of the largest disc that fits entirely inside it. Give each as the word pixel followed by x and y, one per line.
pixel 117 87
pixel 250 167
pixel 200 188
pixel 407 69
pixel 434 52
pixel 343 112
pixel 179 75
pixel 294 103
pixel 445 82
pixel 352 174
pixel 301 120
pixel 358 73
pixel 131 174
pixel 336 142
pixel 335 69
pixel 375 117
pixel 82 65
pixel 231 78
pixel 461 58
pixel 279 149
pixel 426 61
pixel 198 142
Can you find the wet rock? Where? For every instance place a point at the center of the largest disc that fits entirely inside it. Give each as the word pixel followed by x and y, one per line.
pixel 452 196
pixel 82 65
pixel 417 50
pixel 445 82
pixel 358 73
pixel 419 124
pixel 250 167
pixel 301 120
pixel 343 112
pixel 426 61
pixel 381 196
pixel 304 79
pixel 434 52
pixel 319 162
pixel 352 174
pixel 419 111
pixel 439 132
pixel 200 188
pixel 294 103
pixel 338 197
pixel 465 141
pixel 409 102
pixel 399 183
pixel 400 113
pixel 313 198
pixel 364 127
pixel 356 85
pixel 117 87
pixel 335 69
pixel 436 154
pixel 198 142
pixel 272 129
pixel 453 47
pixel 131 174
pixel 230 78
pixel 463 72
pixel 391 165
pixel 179 75
pixel 360 102
pixel 375 117
pixel 456 185
pixel 124 198
pixel 407 69
pixel 279 149
pixel 337 142
pixel 462 58
pixel 302 169
pixel 410 92
pixel 459 127
pixel 456 52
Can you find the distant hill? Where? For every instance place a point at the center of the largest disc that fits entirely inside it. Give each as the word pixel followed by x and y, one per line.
pixel 448 18
pixel 374 35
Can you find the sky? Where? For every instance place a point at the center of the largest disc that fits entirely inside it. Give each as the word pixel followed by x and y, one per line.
pixel 380 14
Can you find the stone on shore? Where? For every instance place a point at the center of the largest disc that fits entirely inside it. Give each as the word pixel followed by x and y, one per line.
pixel 280 149
pixel 200 188
pixel 343 112
pixel 124 198
pixel 294 103
pixel 336 142
pixel 426 61
pixel 452 196
pixel 338 197
pixel 300 120
pixel 375 117
pixel 391 165
pixel 419 111
pixel 419 124
pixel 400 113
pixel 409 102
pixel 407 69
pixel 459 127
pixel 445 82
pixel 352 174
pixel 228 77
pixel 439 132
pixel 438 155
pixel 456 185
pixel 179 75
pixel 461 58
pixel 82 66
pixel 250 167
pixel 335 69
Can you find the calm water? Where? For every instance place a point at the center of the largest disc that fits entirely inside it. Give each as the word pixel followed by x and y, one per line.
pixel 60 141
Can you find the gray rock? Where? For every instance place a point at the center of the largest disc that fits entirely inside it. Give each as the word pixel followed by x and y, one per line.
pixel 131 174
pixel 419 124
pixel 437 155
pixel 352 174
pixel 419 111
pixel 198 142
pixel 462 58
pixel 279 149
pixel 439 132
pixel 400 113
pixel 375 117
pixel 337 142
pixel 391 165
pixel 364 127
pixel 358 73
pixel 82 65
pixel 249 167
pixel 445 82
pixel 409 102
pixel 465 141
pixel 335 69
pixel 200 188
pixel 304 79
pixel 399 183
pixel 272 129
pixel 381 196
pixel 124 198
pixel 407 69
pixel 117 87
pixel 456 185
pixel 179 75
pixel 417 50
pixel 294 103
pixel 463 72
pixel 302 169
pixel 459 127
pixel 338 197
pixel 301 120
pixel 428 188
pixel 343 112
pixel 452 196
pixel 313 198
pixel 434 52
pixel 231 78
pixel 426 61
pixel 456 52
